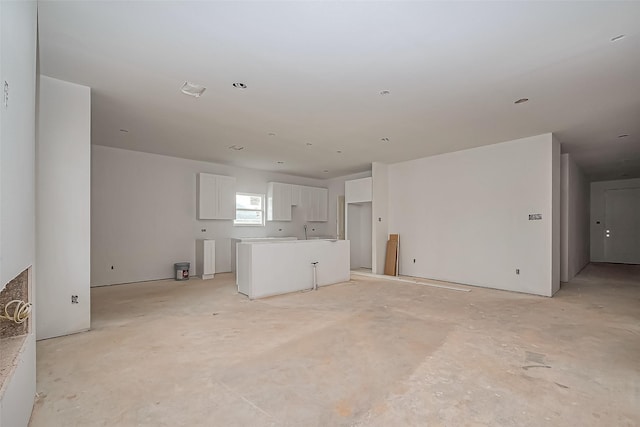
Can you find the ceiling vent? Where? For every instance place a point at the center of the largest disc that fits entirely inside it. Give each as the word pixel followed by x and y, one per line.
pixel 192 89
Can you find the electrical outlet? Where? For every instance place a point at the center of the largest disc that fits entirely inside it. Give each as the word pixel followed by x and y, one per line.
pixel 517 271
pixel 74 299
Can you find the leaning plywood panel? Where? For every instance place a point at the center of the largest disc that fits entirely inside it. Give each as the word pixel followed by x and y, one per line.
pixel 391 261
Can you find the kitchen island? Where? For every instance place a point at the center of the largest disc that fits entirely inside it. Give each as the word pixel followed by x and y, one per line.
pixel 278 267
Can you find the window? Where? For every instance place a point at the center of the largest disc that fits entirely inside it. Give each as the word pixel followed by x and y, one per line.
pixel 249 209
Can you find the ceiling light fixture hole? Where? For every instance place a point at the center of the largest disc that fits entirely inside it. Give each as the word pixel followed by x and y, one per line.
pixel 192 89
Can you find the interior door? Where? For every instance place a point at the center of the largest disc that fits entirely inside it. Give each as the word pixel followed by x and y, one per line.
pixel 622 226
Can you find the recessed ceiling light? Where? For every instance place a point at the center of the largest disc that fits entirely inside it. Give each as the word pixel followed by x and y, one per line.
pixel 385 92
pixel 235 147
pixel 384 139
pixel 616 38
pixel 239 85
pixel 192 89
pixel 624 135
pixel 280 162
pixel 521 101
pixel 124 131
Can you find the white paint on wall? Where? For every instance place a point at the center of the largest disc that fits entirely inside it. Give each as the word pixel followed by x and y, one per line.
pixel 553 181
pixel 17 136
pixel 63 207
pixel 359 234
pixel 464 216
pixel 380 216
pixel 17 188
pixel 575 244
pixel 564 218
pixel 598 205
pixel 144 219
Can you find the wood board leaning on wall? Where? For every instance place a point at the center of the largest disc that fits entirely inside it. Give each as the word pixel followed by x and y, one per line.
pixel 391 261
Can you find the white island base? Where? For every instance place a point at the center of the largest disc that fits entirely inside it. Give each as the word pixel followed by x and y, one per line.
pixel 274 268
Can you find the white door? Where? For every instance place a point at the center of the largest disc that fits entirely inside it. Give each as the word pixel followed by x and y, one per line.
pixel 622 226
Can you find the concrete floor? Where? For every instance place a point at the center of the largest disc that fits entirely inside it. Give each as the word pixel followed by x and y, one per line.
pixel 364 353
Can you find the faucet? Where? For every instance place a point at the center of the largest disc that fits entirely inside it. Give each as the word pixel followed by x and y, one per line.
pixel 305 232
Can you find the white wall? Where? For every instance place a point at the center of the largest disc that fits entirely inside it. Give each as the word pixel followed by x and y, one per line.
pixel 463 216
pixel 564 218
pixel 359 234
pixel 144 219
pixel 380 216
pixel 575 245
pixel 17 187
pixel 63 207
pixel 17 136
pixel 358 195
pixel 598 190
pixel 554 207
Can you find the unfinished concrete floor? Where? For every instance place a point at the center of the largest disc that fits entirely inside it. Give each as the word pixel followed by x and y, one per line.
pixel 364 353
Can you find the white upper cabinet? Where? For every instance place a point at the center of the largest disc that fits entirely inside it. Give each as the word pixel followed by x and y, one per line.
pixel 358 190
pixel 296 195
pixel 278 202
pixel 323 202
pixel 281 197
pixel 216 196
pixel 315 201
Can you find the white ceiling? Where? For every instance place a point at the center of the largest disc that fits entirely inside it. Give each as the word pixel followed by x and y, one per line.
pixel 314 71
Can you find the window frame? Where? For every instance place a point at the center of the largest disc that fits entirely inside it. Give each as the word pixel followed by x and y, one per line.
pixel 263 209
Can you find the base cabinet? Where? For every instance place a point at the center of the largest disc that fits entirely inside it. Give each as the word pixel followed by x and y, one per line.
pixel 206 259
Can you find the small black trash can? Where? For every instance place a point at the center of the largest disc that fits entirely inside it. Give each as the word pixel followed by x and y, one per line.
pixel 182 270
